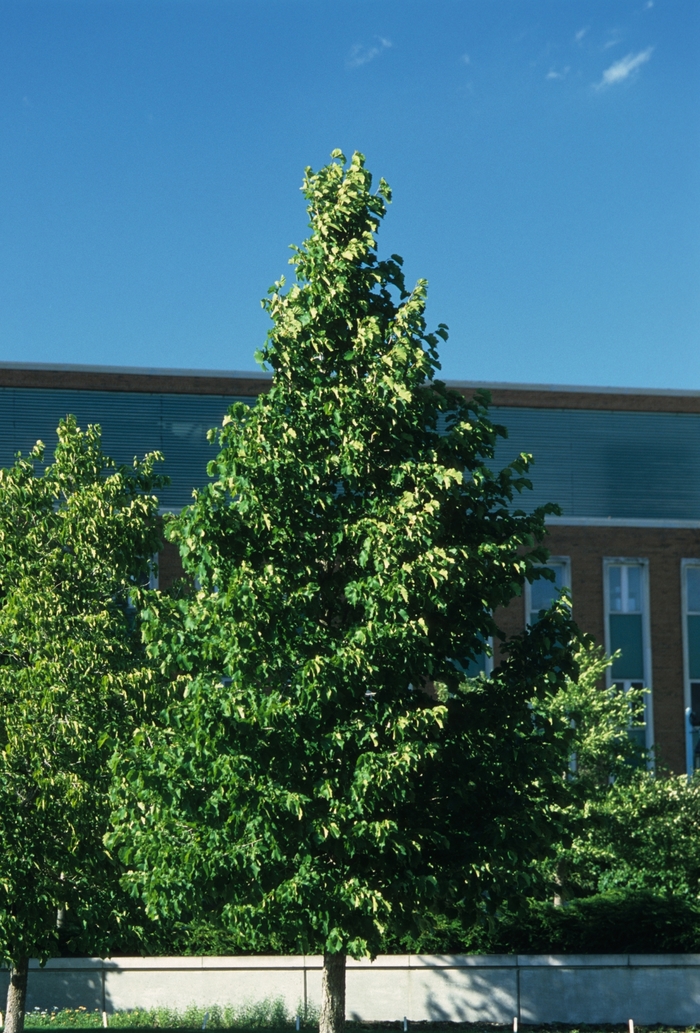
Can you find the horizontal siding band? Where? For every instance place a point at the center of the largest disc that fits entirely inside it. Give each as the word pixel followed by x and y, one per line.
pixel 132 424
pixel 621 465
pixel 594 464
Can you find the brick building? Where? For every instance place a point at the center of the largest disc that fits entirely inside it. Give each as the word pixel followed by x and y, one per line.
pixel 623 465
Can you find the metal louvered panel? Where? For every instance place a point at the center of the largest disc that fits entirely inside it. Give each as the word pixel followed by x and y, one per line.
pixel 629 465
pixel 185 421
pixel 595 464
pixel 132 424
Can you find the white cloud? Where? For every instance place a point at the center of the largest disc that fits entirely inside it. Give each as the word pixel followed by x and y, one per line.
pixel 648 5
pixel 361 55
pixel 466 59
pixel 612 42
pixel 553 74
pixel 623 69
pixel 581 33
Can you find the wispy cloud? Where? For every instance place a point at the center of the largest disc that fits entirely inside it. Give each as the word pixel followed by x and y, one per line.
pixel 648 5
pixel 614 38
pixel 362 55
pixel 624 68
pixel 465 59
pixel 553 74
pixel 581 33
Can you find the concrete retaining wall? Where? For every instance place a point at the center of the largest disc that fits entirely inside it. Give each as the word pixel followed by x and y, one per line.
pixel 536 988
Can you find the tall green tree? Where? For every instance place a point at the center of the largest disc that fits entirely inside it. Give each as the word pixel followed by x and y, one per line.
pixel 326 770
pixel 76 539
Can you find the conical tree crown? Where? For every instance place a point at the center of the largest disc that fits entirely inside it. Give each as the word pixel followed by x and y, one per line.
pixel 358 485
pixel 351 549
pixel 340 320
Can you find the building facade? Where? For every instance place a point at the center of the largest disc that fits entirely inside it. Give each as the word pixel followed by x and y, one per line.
pixel 623 465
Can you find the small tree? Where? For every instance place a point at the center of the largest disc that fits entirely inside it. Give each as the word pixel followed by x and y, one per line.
pixel 75 541
pixel 642 838
pixel 605 760
pixel 328 769
pixel 629 828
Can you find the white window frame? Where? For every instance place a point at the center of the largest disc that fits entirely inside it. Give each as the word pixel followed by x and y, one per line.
pixel 638 561
pixel 687 697
pixel 565 562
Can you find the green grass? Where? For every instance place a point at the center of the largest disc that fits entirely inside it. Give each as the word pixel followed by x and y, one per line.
pixel 272 1016
pixel 269 1014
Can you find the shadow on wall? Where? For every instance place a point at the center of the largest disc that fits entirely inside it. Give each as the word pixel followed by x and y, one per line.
pixel 433 989
pixel 124 984
pixel 60 985
pixel 571 989
pixel 483 994
pixel 439 989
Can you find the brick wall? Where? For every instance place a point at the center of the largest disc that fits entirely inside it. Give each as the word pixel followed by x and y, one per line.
pixel 664 548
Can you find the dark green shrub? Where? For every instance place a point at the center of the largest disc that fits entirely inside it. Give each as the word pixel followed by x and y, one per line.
pixel 609 923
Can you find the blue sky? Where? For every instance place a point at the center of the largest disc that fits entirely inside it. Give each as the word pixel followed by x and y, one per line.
pixel 544 157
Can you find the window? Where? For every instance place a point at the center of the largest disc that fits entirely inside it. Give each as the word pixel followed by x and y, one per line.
pixel 148 581
pixel 627 630
pixel 480 665
pixel 690 600
pixel 541 593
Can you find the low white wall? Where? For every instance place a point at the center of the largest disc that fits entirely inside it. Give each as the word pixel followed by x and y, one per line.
pixel 572 989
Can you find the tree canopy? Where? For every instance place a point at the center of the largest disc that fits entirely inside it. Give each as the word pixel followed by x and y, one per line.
pixel 76 541
pixel 628 830
pixel 325 765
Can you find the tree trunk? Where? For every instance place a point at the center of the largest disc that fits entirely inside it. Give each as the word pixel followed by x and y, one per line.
pixel 61 912
pixel 333 994
pixel 560 882
pixel 16 996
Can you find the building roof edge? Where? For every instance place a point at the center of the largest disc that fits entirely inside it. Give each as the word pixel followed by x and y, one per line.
pixel 492 385
pixel 251 382
pixel 142 371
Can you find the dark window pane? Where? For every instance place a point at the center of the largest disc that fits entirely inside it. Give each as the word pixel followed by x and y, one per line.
pixel 693 626
pixel 695 699
pixel 638 737
pixel 692 576
pixel 634 590
pixel 615 580
pixel 626 635
pixel 543 592
pixel 475 667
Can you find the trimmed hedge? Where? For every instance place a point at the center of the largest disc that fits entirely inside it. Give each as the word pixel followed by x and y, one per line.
pixel 611 923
